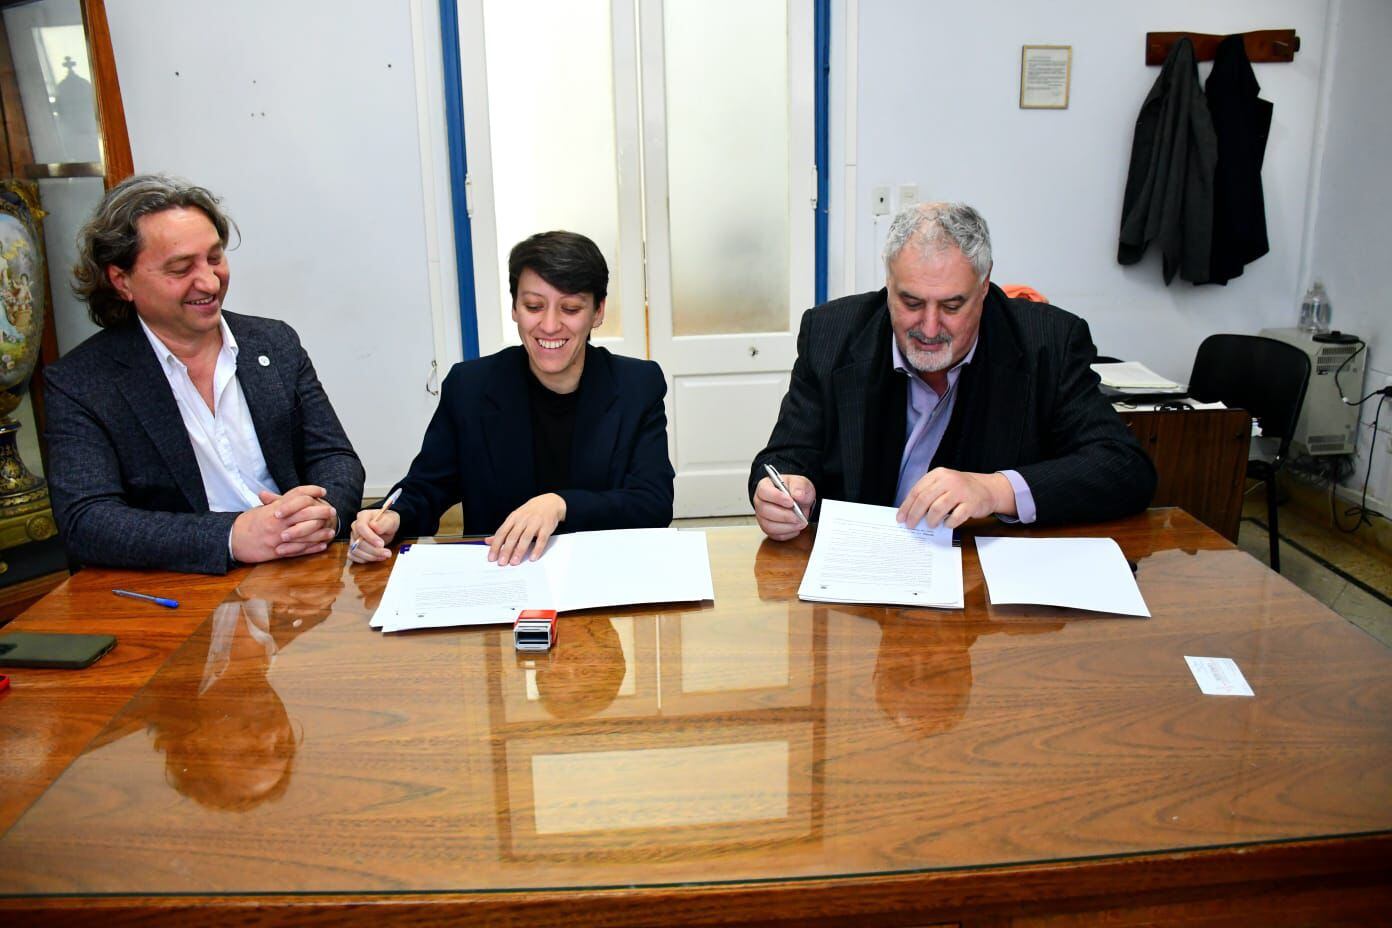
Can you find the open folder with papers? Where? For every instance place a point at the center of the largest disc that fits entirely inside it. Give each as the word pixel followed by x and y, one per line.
pixel 863 555
pixel 439 586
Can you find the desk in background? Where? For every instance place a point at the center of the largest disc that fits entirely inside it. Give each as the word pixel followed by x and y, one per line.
pixel 761 760
pixel 1200 458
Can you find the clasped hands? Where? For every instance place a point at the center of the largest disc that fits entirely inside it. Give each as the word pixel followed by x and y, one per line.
pixel 529 526
pixel 942 496
pixel 298 521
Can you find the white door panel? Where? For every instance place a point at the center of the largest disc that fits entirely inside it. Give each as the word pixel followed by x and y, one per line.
pixel 727 135
pixel 723 416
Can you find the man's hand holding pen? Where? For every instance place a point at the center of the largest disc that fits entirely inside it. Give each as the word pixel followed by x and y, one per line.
pixel 781 512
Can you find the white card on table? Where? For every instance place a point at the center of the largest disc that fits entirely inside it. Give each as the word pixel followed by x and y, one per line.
pixel 1218 676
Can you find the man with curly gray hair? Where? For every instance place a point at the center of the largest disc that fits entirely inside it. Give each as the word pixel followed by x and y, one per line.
pixel 183 436
pixel 944 397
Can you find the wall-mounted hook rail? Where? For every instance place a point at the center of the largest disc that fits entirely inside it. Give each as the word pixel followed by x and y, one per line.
pixel 1264 45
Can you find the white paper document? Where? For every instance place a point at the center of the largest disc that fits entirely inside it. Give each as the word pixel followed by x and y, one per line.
pixel 1078 573
pixel 862 555
pixel 1133 375
pixel 1218 676
pixel 439 586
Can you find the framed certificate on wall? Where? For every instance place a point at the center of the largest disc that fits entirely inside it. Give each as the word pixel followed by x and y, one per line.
pixel 1045 71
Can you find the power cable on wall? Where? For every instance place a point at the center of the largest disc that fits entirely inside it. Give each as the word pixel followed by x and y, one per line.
pixel 1361 513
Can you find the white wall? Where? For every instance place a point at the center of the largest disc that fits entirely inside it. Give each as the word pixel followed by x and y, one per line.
pixel 937 91
pixel 319 123
pixel 1353 200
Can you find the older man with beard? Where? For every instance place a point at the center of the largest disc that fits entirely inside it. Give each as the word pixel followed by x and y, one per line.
pixel 944 397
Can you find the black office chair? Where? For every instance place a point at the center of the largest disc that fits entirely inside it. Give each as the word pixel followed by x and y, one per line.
pixel 1268 379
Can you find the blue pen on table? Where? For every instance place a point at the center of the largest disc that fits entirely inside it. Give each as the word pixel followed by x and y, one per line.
pixel 777 479
pixel 157 600
pixel 386 504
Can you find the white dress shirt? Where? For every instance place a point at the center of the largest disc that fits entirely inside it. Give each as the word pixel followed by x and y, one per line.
pixel 257 616
pixel 224 438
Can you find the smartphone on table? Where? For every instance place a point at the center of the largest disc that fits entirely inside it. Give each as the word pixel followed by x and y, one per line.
pixel 49 649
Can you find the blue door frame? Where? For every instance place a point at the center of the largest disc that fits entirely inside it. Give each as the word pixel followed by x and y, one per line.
pixel 459 172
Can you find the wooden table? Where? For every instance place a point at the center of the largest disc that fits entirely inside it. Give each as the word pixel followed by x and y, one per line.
pixel 757 761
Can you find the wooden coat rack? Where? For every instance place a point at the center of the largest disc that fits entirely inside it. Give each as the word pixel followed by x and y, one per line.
pixel 1264 45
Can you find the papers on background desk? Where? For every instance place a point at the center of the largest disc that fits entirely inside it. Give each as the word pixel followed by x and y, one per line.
pixel 1134 377
pixel 1122 405
pixel 862 555
pixel 439 586
pixel 1079 573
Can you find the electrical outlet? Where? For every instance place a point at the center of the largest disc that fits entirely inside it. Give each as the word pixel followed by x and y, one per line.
pixel 879 201
pixel 908 195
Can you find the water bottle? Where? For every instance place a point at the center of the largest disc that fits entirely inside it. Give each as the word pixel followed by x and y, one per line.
pixel 1315 310
pixel 1323 308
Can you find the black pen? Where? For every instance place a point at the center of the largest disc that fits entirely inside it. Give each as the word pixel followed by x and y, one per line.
pixel 157 600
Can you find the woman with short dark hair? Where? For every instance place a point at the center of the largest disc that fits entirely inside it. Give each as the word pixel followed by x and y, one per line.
pixel 555 435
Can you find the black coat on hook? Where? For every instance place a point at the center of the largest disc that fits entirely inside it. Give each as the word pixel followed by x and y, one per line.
pixel 1169 188
pixel 1242 121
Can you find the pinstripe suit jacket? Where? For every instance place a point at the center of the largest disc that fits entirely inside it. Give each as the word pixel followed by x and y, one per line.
pixel 124 481
pixel 1027 401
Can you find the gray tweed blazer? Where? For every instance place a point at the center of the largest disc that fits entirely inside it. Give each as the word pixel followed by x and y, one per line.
pixel 125 485
pixel 1028 402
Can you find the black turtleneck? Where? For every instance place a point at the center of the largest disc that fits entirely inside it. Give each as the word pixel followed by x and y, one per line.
pixel 553 433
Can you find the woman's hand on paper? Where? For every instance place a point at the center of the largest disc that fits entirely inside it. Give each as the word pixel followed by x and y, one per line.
pixel 530 525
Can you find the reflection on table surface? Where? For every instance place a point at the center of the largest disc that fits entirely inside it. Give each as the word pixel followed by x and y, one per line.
pixel 286 747
pixel 226 736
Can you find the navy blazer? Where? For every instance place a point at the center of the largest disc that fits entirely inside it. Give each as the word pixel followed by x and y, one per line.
pixel 478 448
pixel 125 484
pixel 1028 402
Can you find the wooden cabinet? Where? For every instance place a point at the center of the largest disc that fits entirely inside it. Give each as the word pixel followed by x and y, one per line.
pixel 1200 456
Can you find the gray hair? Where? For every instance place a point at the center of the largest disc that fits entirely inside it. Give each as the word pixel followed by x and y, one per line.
pixel 934 227
pixel 111 237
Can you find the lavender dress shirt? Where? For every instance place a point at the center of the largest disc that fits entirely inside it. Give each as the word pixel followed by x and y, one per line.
pixel 926 418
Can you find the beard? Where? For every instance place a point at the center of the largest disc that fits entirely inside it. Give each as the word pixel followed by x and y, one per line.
pixel 922 361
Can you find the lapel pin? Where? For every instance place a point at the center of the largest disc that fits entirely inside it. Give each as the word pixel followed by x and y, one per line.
pixel 263 361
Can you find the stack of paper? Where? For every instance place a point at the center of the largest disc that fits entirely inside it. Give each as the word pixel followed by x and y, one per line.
pixel 863 555
pixel 438 586
pixel 1134 377
pixel 1080 573
pixel 1131 406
